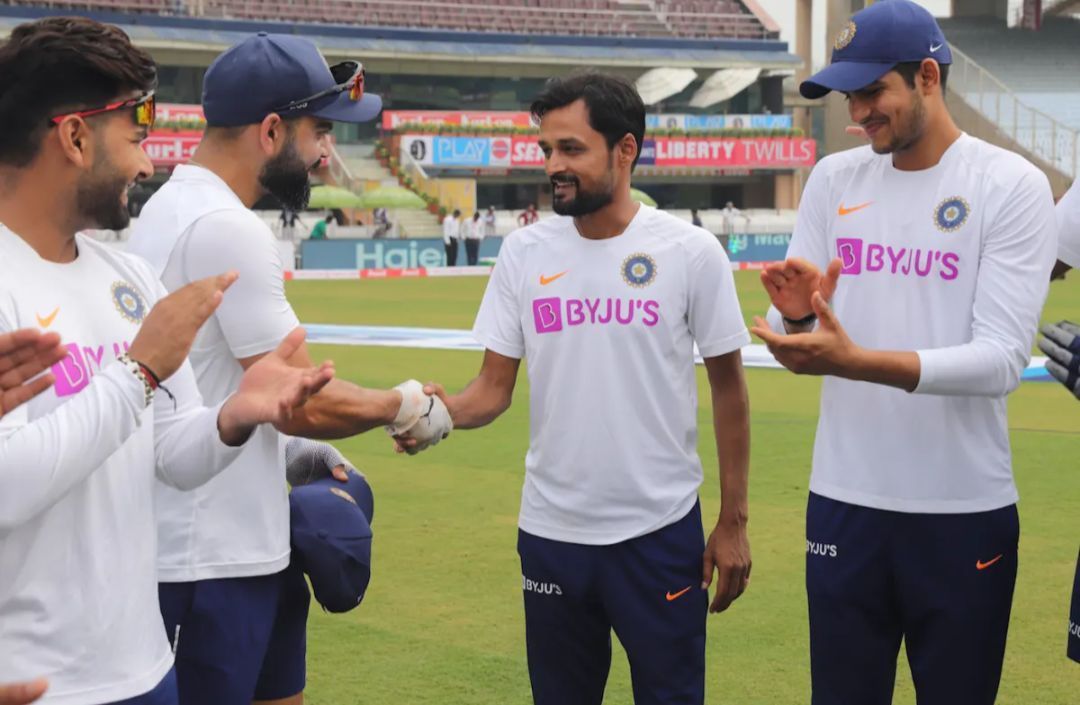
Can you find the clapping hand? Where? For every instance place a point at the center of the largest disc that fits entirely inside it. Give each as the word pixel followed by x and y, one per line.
pixel 271 390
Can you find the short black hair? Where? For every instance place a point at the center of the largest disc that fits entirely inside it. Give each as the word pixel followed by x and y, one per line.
pixel 62 64
pixel 614 106
pixel 910 69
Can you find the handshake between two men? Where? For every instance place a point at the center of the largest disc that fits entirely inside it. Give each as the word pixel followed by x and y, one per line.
pixel 423 419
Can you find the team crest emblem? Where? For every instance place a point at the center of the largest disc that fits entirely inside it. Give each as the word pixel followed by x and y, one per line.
pixel 951 214
pixel 639 270
pixel 343 494
pixel 129 302
pixel 846 36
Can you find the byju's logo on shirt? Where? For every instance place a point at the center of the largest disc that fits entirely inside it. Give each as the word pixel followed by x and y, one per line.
pixel 858 257
pixel 551 314
pixel 75 371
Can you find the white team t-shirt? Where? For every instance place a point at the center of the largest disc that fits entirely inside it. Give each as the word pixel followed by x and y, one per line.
pixel 78 548
pixel 237 525
pixel 1068 220
pixel 607 328
pixel 952 262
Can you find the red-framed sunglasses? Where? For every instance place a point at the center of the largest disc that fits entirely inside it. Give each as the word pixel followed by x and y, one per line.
pixel 348 76
pixel 145 110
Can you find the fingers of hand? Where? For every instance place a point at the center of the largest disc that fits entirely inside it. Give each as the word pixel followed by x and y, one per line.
pixel 291 343
pixel 1059 335
pixel 823 311
pixel 832 277
pixel 1069 327
pixel 1054 351
pixel 1058 372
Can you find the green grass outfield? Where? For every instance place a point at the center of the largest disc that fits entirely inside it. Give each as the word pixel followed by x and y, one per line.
pixel 442 622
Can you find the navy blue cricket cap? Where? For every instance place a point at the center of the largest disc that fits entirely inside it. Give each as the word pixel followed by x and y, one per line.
pixel 284 74
pixel 331 538
pixel 873 42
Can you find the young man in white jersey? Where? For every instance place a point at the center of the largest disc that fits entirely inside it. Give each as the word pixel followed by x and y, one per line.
pixel 78 598
pixel 606 304
pixel 935 249
pixel 230 602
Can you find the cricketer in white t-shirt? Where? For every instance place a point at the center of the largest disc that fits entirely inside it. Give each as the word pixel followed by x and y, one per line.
pixel 236 525
pixel 952 262
pixel 608 329
pixel 78 579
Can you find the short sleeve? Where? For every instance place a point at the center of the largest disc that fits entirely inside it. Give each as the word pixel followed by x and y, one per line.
pixel 498 323
pixel 254 316
pixel 1067 213
pixel 715 318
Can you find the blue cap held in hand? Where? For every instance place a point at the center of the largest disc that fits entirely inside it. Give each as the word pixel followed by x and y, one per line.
pixel 331 538
pixel 873 42
pixel 283 74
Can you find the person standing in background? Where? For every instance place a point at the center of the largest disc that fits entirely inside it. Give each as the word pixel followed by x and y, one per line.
pixel 473 234
pixel 319 231
pixel 489 222
pixel 451 232
pixel 528 216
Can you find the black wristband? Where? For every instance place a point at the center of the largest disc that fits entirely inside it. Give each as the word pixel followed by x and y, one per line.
pixel 802 321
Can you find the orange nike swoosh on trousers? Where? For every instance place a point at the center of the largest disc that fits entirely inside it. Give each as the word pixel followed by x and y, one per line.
pixel 679 594
pixel 544 281
pixel 979 565
pixel 46 321
pixel 847 211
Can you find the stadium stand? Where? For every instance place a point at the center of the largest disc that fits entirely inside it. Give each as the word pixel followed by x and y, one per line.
pixel 1035 103
pixel 688 19
pixel 155 7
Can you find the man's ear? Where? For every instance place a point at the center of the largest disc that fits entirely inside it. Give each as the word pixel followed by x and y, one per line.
pixel 627 149
pixel 272 133
pixel 76 140
pixel 929 75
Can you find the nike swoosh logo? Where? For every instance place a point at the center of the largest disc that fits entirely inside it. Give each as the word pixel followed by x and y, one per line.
pixel 848 211
pixel 935 48
pixel 46 321
pixel 544 281
pixel 979 565
pixel 680 593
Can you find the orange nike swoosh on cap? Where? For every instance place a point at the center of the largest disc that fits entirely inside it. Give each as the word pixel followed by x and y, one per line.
pixel 544 281
pixel 679 594
pixel 848 211
pixel 979 565
pixel 46 321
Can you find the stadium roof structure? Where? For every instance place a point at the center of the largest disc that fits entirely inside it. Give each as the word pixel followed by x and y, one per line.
pixel 193 41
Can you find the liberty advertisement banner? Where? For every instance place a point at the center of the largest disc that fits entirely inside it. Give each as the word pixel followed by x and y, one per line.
pixel 524 152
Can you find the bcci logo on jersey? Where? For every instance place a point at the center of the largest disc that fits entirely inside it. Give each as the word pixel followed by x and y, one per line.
pixel 128 302
pixel 639 270
pixel 951 214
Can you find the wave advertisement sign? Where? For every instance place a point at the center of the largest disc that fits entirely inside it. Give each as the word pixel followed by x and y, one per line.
pixel 524 152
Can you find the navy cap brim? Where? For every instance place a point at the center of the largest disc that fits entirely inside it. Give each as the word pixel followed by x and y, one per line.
pixel 345 109
pixel 843 76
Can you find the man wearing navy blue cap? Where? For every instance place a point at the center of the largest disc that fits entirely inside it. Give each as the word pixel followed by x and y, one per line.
pixel 934 250
pixel 233 603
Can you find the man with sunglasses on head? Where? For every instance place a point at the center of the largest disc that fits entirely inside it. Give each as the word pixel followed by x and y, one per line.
pixel 78 549
pixel 235 609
